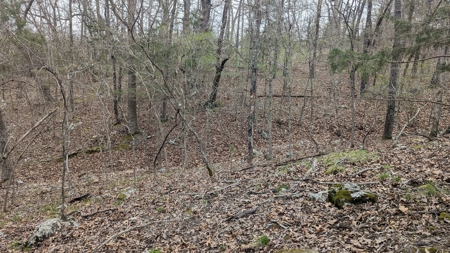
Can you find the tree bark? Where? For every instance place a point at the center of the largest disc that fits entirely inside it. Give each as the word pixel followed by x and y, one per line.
pixel 5 166
pixel 396 56
pixel 187 12
pixel 254 75
pixel 367 41
pixel 132 105
pixel 219 66
pixel 436 115
pixel 206 15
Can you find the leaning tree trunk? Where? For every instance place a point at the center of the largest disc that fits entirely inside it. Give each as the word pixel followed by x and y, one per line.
pixel 219 66
pixel 396 56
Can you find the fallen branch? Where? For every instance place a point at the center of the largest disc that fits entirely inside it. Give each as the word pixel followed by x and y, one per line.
pixel 331 183
pixel 362 171
pixel 283 163
pixel 285 96
pixel 242 214
pixel 80 198
pixel 130 229
pixel 223 188
pixel 101 211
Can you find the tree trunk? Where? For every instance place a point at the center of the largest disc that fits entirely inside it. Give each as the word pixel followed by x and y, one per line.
pixel 5 166
pixel 254 75
pixel 219 66
pixel 206 15
pixel 367 41
pixel 132 105
pixel 436 115
pixel 396 56
pixel 187 12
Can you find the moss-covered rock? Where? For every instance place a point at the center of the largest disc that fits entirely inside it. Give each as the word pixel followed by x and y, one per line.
pixel 349 193
pixel 335 161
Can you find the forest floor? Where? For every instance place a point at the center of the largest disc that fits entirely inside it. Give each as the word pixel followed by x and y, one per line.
pixel 176 208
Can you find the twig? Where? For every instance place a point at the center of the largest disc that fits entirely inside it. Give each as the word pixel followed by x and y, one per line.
pixel 407 123
pixel 279 224
pixel 28 132
pixel 165 139
pixel 130 229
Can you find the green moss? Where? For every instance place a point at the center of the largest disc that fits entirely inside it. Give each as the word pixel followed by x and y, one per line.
pixel 123 146
pixel 95 149
pixel 263 240
pixel 383 176
pixel 363 197
pixel 339 194
pixel 334 161
pixel 122 196
pixel 50 210
pixel 340 198
pixel 444 216
pixel 427 250
pixel 428 189
pixel 335 169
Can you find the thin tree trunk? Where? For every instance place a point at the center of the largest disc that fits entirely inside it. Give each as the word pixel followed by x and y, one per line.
pixel 5 166
pixel 254 76
pixel 132 105
pixel 436 115
pixel 367 41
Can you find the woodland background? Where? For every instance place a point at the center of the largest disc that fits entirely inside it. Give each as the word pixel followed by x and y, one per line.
pixel 168 117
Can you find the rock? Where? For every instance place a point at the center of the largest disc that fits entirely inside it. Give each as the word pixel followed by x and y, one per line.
pixel 349 193
pixel 265 135
pixel 45 230
pixel 125 194
pixel 256 152
pixel 88 178
pixel 321 196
